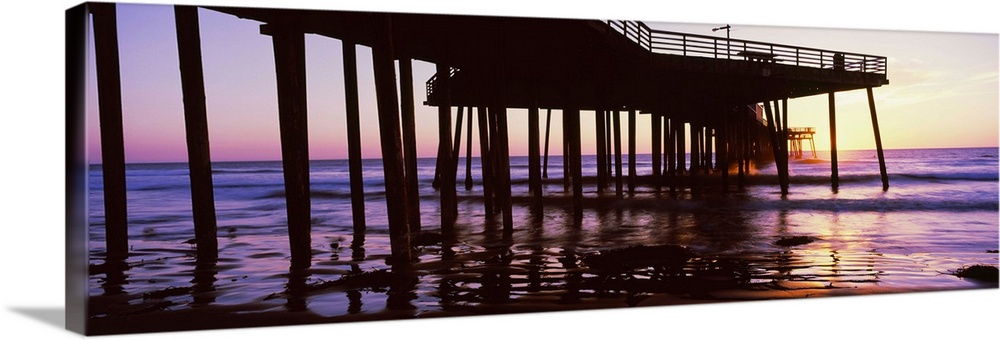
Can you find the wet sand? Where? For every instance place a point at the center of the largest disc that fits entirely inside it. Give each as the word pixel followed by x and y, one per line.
pixel 457 279
pixel 741 246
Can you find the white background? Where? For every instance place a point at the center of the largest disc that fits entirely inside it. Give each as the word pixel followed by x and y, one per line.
pixel 32 128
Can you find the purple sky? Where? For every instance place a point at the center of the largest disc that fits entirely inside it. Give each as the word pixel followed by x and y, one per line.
pixel 932 75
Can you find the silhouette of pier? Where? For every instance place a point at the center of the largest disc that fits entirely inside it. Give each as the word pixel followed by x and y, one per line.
pixel 724 99
pixel 795 137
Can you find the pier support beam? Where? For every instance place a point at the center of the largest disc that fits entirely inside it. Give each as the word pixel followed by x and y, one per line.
pixel 695 149
pixel 742 134
pixel 631 152
pixel 457 147
pixel 878 141
pixel 602 167
pixel 468 153
pixel 534 166
pixel 501 146
pixel 109 98
pixel 567 178
pixel 772 132
pixel 548 128
pixel 834 180
pixel 486 159
pixel 609 160
pixel 409 143
pixel 572 115
pixel 784 141
pixel 709 133
pixel 391 141
pixel 722 140
pixel 671 146
pixel 657 143
pixel 681 147
pixel 354 137
pixel 618 154
pixel 196 128
pixel 290 71
pixel 448 199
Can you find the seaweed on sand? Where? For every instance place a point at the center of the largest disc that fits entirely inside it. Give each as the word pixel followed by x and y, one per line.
pixel 978 272
pixel 794 241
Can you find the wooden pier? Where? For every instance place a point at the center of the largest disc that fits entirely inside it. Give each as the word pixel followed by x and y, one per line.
pixel 724 99
pixel 795 137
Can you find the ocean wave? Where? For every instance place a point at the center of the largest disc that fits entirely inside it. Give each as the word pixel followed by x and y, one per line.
pixel 990 177
pixel 246 171
pixel 873 205
pixel 327 194
pixel 159 187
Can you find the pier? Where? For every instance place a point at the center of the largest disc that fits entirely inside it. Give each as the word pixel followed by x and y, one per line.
pixel 725 100
pixel 795 137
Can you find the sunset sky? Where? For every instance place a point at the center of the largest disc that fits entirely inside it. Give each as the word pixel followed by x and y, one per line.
pixel 942 91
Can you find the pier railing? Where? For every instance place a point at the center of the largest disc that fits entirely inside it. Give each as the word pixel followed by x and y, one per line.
pixel 695 45
pixel 433 81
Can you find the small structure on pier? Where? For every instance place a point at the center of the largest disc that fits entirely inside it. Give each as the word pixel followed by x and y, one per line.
pixel 795 137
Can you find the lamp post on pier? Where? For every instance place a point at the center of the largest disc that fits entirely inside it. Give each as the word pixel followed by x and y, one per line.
pixel 727 28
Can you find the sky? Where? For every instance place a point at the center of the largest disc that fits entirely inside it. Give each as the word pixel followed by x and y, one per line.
pixel 942 91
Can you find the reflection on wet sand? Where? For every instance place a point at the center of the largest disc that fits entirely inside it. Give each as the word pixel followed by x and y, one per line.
pixel 647 253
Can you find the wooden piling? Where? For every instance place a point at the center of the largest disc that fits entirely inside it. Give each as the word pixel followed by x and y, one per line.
pixel 534 166
pixel 448 196
pixel 456 148
pixel 575 161
pixel 772 132
pixel 618 154
pixel 631 152
pixel 290 72
pixel 196 128
pixel 502 146
pixel 722 142
pixel 567 179
pixel 681 148
pixel 671 131
pixel 548 128
pixel 607 144
pixel 709 133
pixel 468 153
pixel 485 160
pixel 743 139
pixel 665 137
pixel 695 149
pixel 878 140
pixel 354 136
pixel 436 182
pixel 602 167
pixel 409 143
pixel 784 142
pixel 784 126
pixel 834 180
pixel 109 98
pixel 389 135
pixel 657 143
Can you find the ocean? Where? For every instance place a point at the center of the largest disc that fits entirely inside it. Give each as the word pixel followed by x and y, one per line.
pixel 939 215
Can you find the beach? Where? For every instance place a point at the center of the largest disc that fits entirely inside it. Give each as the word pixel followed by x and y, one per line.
pixel 940 215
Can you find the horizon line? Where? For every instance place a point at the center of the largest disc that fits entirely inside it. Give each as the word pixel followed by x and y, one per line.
pixel 624 155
